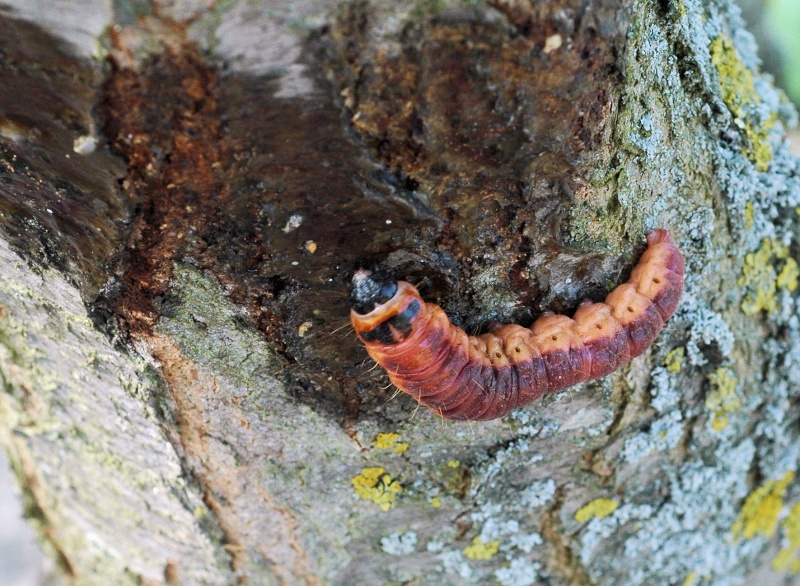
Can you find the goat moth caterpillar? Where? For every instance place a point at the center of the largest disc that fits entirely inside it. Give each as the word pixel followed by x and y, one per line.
pixel 484 377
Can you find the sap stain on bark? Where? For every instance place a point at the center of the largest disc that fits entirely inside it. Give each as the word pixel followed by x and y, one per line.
pixel 164 121
pixel 59 202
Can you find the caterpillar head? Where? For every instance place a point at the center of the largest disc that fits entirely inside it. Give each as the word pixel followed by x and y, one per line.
pixel 369 290
pixel 384 311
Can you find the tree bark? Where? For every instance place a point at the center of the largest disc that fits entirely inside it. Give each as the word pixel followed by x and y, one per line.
pixel 187 187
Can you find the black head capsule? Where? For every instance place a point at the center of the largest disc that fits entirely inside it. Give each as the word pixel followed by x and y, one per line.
pixel 370 290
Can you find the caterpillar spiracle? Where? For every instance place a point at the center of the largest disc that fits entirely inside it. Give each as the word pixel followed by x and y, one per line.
pixel 484 377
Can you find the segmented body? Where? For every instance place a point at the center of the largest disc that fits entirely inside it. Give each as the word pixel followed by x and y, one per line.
pixel 484 377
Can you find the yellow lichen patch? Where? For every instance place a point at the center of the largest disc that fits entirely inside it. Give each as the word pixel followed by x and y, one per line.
pixel 453 463
pixel 722 399
pixel 788 557
pixel 761 280
pixel 760 512
pixel 674 359
pixel 436 502
pixel 761 151
pixel 385 441
pixel 400 447
pixel 787 278
pixel 781 251
pixel 738 90
pixel 691 579
pixel 480 550
pixel 376 485
pixel 749 215
pixel 597 509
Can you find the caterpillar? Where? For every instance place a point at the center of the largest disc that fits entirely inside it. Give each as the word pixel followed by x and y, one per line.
pixel 484 377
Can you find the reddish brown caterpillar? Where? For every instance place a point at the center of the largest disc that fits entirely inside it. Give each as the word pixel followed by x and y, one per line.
pixel 467 377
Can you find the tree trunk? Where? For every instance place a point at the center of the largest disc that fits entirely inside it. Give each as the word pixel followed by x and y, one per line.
pixel 187 188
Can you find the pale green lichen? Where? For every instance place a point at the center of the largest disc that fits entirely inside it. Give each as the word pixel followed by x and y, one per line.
pixel 759 515
pixel 385 441
pixel 739 94
pixel 788 557
pixel 691 579
pixel 480 550
pixel 377 485
pixel 761 279
pixel 389 441
pixel 749 215
pixel 449 478
pixel 722 399
pixel 673 362
pixel 787 278
pixel 597 509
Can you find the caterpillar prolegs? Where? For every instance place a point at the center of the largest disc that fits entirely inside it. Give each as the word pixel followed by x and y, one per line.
pixel 484 377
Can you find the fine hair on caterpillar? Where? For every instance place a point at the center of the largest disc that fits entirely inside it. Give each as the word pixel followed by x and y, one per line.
pixel 483 377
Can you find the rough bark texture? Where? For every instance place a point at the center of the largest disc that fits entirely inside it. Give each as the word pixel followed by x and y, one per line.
pixel 186 188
